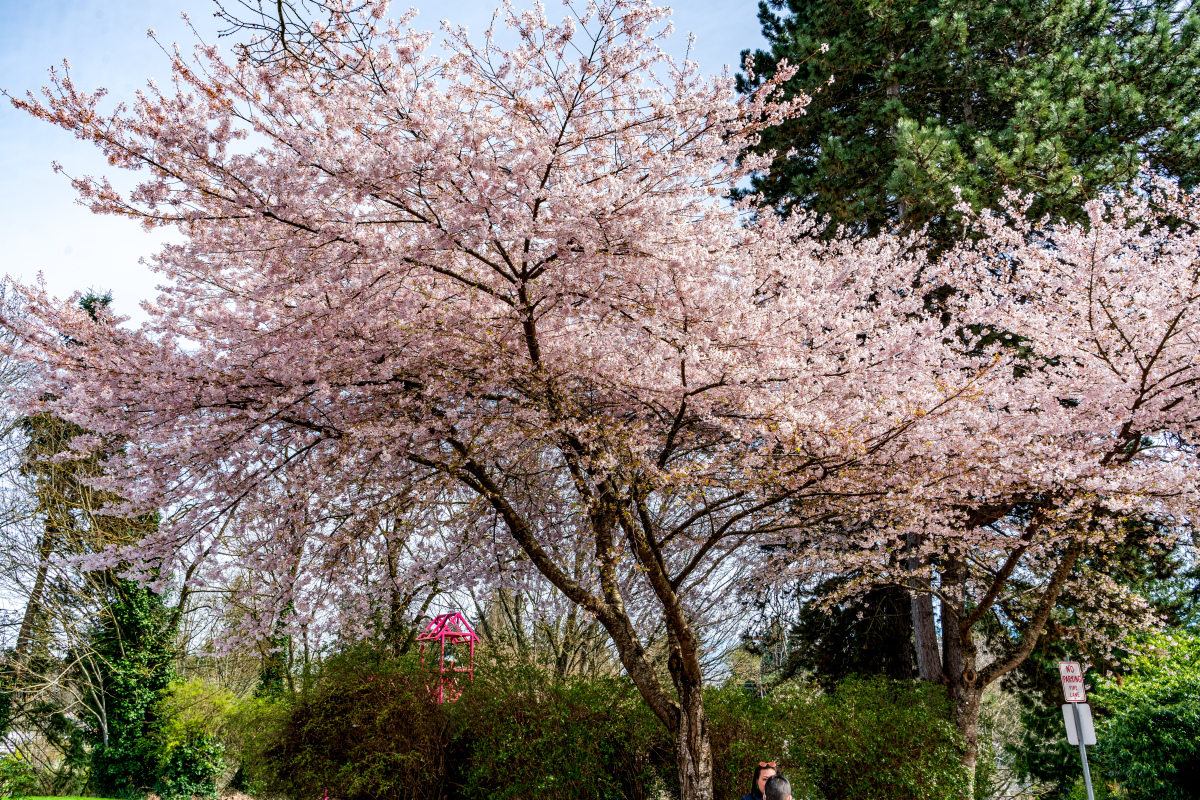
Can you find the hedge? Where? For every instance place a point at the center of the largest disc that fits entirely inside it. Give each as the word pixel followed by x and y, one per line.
pixel 370 731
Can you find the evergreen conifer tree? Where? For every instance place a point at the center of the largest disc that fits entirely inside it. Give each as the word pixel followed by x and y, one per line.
pixel 122 665
pixel 868 635
pixel 1057 98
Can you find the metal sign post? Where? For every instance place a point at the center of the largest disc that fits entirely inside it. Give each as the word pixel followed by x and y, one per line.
pixel 1072 681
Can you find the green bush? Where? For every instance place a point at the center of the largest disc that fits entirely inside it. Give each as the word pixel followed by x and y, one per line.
pixel 745 729
pixel 878 739
pixel 526 735
pixel 199 715
pixel 195 707
pixel 253 727
pixel 17 777
pixel 191 768
pixel 1148 726
pixel 873 739
pixel 370 729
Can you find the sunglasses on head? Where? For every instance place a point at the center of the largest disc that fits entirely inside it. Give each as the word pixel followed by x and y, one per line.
pixel 770 764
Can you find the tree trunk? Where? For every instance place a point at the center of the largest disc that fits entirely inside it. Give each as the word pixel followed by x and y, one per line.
pixel 953 609
pixel 33 608
pixel 693 751
pixel 966 720
pixel 925 636
pixel 959 666
pixel 965 692
pixel 566 644
pixel 684 718
pixel 952 654
pixel 924 626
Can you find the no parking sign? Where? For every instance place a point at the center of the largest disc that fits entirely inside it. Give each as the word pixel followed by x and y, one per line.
pixel 1072 681
pixel 1079 725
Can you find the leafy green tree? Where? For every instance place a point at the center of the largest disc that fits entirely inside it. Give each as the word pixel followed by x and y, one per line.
pixel 135 652
pixel 1148 737
pixel 862 636
pixel 1165 579
pixel 89 648
pixel 1058 98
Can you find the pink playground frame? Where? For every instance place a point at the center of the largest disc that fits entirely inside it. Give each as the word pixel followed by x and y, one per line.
pixel 455 629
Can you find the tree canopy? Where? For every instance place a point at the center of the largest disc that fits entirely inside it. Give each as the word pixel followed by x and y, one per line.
pixel 491 320
pixel 1062 99
pixel 1149 735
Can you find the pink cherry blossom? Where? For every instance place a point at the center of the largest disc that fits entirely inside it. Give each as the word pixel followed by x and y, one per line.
pixel 489 320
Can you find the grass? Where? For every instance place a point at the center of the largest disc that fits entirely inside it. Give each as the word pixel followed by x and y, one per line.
pixel 62 798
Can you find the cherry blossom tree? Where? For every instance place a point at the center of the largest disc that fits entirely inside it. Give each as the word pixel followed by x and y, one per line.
pixel 501 298
pixel 1083 442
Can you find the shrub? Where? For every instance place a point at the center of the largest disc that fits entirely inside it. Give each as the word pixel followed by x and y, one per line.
pixel 195 707
pixel 255 725
pixel 1149 734
pixel 527 735
pixel 369 730
pixel 17 777
pixel 877 739
pixel 744 729
pixel 191 768
pixel 872 739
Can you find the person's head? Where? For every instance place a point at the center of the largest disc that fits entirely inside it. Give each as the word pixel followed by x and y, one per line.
pixel 777 788
pixel 764 770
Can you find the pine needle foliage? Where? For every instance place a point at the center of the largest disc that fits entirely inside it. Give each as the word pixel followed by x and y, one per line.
pixel 932 98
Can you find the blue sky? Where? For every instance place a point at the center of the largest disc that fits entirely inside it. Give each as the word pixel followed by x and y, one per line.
pixel 41 227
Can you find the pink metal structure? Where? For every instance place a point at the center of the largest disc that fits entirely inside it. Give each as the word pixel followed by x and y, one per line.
pixel 450 632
